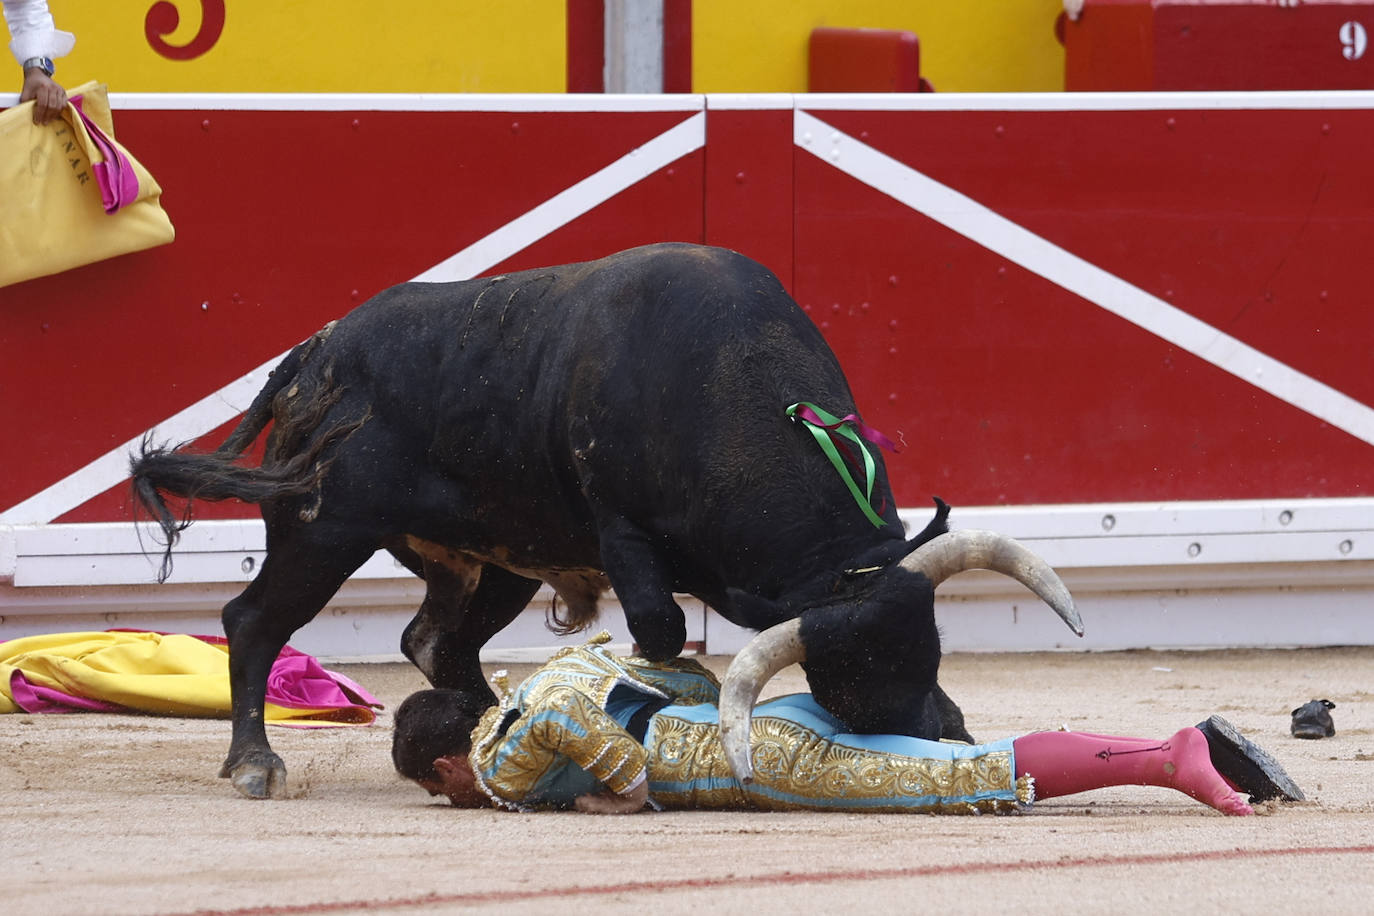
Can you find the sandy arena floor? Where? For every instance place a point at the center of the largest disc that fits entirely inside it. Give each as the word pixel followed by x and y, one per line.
pixel 123 814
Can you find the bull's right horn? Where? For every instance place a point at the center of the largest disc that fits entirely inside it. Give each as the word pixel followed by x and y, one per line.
pixel 767 654
pixel 956 551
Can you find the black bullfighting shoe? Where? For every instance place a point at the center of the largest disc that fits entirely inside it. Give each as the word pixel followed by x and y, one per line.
pixel 1311 720
pixel 1247 765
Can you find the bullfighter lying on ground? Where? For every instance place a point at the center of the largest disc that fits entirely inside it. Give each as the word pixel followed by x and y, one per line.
pixel 613 735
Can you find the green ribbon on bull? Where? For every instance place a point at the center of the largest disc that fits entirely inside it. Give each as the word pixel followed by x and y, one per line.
pixel 823 426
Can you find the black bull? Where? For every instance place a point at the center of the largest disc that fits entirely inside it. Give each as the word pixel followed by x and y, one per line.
pixel 614 422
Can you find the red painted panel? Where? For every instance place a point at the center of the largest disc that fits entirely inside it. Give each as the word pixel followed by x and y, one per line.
pixel 665 207
pixel 286 220
pixel 864 60
pixel 748 202
pixel 1251 221
pixel 677 45
pixel 1015 390
pixel 1257 46
pixel 1220 45
pixel 1109 48
pixel 586 46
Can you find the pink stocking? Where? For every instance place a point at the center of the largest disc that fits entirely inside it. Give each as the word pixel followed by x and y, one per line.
pixel 1065 763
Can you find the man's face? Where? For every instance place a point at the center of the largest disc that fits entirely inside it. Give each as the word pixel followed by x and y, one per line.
pixel 456 780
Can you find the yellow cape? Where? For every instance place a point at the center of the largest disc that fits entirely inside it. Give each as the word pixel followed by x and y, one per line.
pixel 165 674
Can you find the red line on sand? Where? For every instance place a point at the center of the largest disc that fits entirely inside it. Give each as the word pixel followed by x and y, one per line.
pixel 787 877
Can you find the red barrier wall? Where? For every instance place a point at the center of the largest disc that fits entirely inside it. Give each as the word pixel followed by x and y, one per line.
pixel 1010 333
pixel 1217 45
pixel 1012 389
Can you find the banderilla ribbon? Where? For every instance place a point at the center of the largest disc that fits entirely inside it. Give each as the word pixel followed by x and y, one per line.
pixel 826 427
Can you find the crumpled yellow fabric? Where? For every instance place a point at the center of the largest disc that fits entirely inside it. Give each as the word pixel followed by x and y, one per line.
pixel 164 674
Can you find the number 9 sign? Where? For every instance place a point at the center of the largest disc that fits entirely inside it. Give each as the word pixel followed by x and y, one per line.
pixel 1353 40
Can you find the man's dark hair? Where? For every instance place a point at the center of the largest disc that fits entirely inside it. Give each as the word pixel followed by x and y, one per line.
pixel 431 724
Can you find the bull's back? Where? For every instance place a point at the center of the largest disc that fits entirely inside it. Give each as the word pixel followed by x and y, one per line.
pixel 641 328
pixel 651 382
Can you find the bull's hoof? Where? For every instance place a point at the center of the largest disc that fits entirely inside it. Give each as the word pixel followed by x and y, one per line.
pixel 663 643
pixel 961 735
pixel 262 776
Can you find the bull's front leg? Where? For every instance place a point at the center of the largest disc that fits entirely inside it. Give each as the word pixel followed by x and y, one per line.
pixel 643 582
pixel 951 717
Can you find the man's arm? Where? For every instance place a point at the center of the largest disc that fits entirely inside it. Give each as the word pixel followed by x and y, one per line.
pixel 48 97
pixel 35 41
pixel 564 722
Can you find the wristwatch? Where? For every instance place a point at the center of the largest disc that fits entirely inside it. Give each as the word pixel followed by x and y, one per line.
pixel 42 63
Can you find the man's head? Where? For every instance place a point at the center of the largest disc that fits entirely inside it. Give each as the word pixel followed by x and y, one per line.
pixel 431 741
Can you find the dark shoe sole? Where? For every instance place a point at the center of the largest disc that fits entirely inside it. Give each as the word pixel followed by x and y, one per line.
pixel 1246 764
pixel 1311 730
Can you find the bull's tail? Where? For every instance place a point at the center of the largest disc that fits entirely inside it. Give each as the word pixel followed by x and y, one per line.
pixel 160 470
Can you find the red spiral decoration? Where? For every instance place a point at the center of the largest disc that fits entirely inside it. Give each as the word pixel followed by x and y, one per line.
pixel 163 19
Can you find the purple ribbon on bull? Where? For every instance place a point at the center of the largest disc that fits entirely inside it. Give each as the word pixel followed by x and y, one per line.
pixel 827 429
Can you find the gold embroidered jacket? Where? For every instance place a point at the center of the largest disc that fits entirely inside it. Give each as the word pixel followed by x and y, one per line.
pixel 552 739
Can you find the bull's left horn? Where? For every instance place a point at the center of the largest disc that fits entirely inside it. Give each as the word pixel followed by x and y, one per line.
pixel 767 654
pixel 957 551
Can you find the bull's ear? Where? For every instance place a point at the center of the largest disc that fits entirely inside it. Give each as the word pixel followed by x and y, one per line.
pixel 934 528
pixel 888 552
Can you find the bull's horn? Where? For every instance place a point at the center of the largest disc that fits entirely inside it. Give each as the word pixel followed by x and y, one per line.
pixel 767 654
pixel 957 551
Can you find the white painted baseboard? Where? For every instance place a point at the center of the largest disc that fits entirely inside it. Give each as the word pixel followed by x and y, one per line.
pixel 1207 574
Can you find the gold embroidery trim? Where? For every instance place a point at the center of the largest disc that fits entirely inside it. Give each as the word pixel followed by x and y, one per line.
pixel 814 773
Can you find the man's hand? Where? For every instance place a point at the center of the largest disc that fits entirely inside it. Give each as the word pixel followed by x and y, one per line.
pixel 49 98
pixel 608 802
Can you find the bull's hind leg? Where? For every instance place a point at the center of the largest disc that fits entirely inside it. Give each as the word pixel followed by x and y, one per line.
pixel 465 605
pixel 301 573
